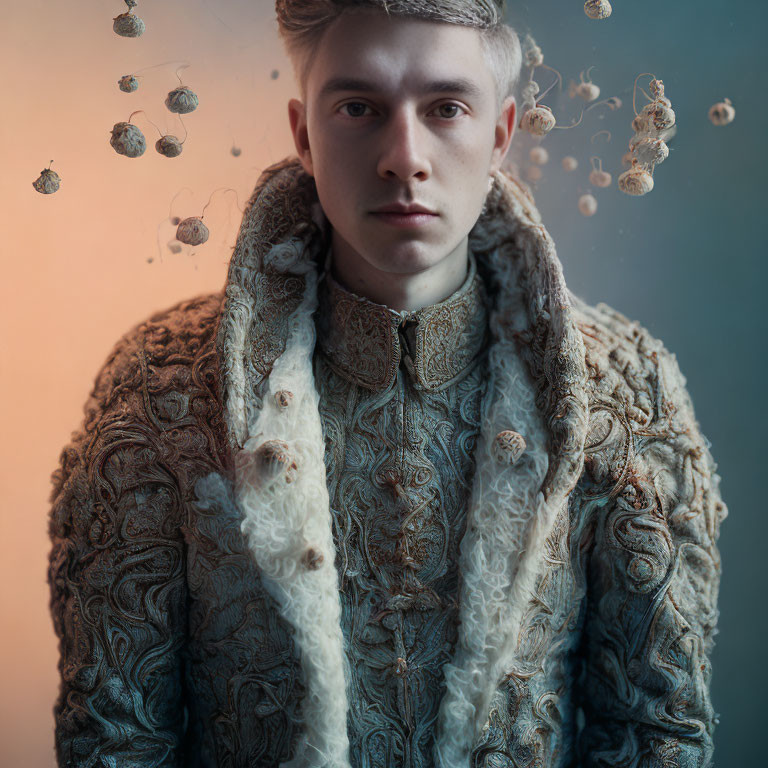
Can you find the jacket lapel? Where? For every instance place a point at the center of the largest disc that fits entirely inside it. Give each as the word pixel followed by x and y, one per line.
pixel 265 342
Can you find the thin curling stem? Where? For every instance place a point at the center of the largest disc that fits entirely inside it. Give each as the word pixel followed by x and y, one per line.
pixel 599 133
pixel 227 189
pixel 155 66
pixel 572 125
pixel 558 81
pixel 634 90
pixel 183 66
pixel 173 200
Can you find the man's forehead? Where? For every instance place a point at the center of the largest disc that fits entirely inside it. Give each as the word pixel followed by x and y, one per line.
pixel 456 84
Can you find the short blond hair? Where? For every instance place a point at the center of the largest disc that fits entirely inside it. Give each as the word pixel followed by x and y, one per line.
pixel 302 23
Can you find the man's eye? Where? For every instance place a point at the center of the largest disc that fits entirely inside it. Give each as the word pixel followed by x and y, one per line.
pixel 357 104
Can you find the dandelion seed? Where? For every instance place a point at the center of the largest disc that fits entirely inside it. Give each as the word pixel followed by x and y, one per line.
pixel 192 231
pixel 182 100
pixel 169 146
pixel 569 163
pixel 128 140
pixel 47 182
pixel 538 121
pixel 128 25
pixel 539 156
pixel 587 205
pixel 597 9
pixel 722 113
pixel 636 181
pixel 128 84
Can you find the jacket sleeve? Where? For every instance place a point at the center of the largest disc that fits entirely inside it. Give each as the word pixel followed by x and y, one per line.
pixel 653 583
pixel 117 588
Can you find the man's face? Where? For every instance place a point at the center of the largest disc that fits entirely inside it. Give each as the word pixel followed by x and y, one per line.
pixel 400 141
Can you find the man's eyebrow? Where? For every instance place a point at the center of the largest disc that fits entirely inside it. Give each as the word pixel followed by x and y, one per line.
pixel 461 85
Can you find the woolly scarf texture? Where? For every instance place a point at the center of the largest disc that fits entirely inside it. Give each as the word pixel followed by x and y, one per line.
pixel 266 341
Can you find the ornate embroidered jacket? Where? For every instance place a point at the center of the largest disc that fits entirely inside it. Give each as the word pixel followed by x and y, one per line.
pixel 298 528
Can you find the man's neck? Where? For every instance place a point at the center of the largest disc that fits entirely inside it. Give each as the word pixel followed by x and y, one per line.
pixel 401 292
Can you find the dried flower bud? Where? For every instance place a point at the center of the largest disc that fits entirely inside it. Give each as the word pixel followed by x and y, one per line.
pixel 127 139
pixel 587 205
pixel 636 181
pixel 659 116
pixel 722 113
pixel 600 179
pixel 48 182
pixel 128 25
pixel 181 100
pixel 169 146
pixel 128 84
pixel 538 121
pixel 649 150
pixel 192 231
pixel 597 9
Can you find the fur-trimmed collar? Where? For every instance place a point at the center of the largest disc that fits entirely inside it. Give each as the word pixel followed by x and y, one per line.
pixel 537 388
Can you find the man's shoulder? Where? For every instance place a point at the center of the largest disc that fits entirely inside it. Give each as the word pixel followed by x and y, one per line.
pixel 157 351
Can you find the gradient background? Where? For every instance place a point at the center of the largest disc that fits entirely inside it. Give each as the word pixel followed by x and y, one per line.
pixel 83 266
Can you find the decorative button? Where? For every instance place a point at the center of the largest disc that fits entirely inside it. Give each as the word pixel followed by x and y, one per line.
pixel 312 559
pixel 283 398
pixel 400 667
pixel 508 446
pixel 270 461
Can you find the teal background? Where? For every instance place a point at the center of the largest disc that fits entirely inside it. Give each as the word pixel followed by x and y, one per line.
pixel 688 261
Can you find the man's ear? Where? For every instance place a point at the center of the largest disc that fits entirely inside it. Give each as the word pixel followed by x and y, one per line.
pixel 505 129
pixel 297 117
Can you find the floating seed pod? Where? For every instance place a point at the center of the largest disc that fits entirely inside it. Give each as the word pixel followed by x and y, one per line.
pixel 722 113
pixel 128 25
pixel 658 116
pixel 636 181
pixel 128 84
pixel 569 163
pixel 508 446
pixel 597 9
pixel 585 88
pixel 192 231
pixel 533 56
pixel 533 173
pixel 175 220
pixel 539 156
pixel 235 151
pixel 538 121
pixel 598 177
pixel 274 74
pixel 47 182
pixel 174 246
pixel 128 140
pixel 587 205
pixel 169 146
pixel 181 100
pixel 649 150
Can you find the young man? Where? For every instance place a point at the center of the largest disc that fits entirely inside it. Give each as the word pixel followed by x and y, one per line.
pixel 396 497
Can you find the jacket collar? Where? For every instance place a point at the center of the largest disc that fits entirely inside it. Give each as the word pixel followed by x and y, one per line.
pixel 537 388
pixel 366 341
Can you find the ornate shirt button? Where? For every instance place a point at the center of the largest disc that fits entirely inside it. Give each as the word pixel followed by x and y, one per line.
pixel 508 446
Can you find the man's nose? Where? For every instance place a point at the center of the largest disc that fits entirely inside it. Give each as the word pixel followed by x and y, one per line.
pixel 404 146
